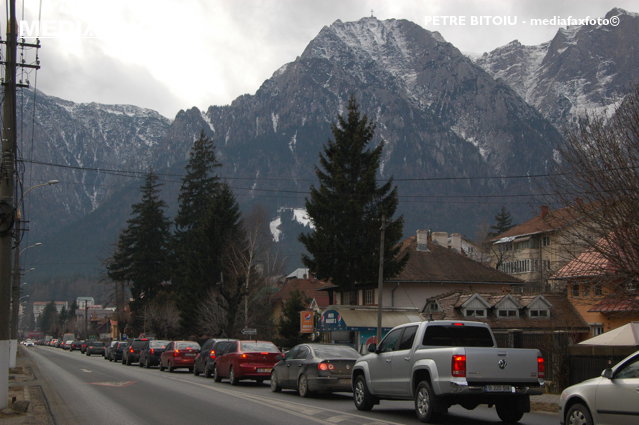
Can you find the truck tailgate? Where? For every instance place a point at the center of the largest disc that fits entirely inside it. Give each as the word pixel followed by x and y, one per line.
pixel 501 365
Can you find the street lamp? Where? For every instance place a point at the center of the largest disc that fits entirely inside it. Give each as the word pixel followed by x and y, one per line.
pixel 15 284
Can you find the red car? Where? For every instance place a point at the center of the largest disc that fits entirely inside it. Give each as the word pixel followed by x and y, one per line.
pixel 179 354
pixel 247 360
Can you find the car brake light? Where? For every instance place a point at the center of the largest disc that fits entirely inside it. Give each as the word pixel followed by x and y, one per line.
pixel 458 366
pixel 458 324
pixel 212 354
pixel 325 366
pixel 152 350
pixel 176 353
pixel 131 350
pixel 244 356
pixel 264 353
pixel 541 368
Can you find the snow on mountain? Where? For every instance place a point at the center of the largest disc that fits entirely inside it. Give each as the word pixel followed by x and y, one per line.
pixel 583 69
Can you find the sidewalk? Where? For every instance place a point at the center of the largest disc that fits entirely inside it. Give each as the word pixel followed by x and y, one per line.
pixel 545 403
pixel 27 400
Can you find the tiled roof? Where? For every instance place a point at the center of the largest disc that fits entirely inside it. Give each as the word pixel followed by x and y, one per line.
pixel 615 304
pixel 441 264
pixel 310 288
pixel 553 220
pixel 588 264
pixel 562 313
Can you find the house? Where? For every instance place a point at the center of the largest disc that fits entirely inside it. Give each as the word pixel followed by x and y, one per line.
pixel 458 243
pixel 432 269
pixel 536 249
pixel 39 306
pixel 507 312
pixel 604 300
pixel 309 286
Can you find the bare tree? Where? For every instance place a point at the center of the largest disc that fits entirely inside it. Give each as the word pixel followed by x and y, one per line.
pixel 163 316
pixel 600 180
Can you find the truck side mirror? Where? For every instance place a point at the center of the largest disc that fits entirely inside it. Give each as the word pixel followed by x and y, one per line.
pixel 607 373
pixel 372 348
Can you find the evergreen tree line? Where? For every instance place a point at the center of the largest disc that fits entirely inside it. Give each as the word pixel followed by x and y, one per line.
pixel 192 276
pixel 198 274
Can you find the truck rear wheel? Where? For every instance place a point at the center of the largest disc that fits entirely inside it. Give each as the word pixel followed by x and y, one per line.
pixel 509 413
pixel 363 399
pixel 427 405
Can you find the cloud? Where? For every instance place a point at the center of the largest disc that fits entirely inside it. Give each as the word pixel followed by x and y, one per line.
pixel 169 56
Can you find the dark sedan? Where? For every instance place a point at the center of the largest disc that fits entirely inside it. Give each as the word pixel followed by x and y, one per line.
pixel 131 353
pixel 115 353
pixel 315 368
pixel 211 350
pixel 151 351
pixel 94 347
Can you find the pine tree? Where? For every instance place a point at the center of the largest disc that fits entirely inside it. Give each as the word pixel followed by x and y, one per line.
pixel 503 222
pixel 348 207
pixel 142 251
pixel 289 326
pixel 219 230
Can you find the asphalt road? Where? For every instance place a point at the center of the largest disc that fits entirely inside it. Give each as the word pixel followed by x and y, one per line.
pixel 85 390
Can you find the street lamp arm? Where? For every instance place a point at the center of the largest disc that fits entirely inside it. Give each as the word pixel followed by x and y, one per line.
pixel 50 182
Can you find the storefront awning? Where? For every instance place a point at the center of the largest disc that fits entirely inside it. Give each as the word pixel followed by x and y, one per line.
pixel 340 318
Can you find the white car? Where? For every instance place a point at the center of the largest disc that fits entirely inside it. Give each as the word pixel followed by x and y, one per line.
pixel 612 398
pixel 29 343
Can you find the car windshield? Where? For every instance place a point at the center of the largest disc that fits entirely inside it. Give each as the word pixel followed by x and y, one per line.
pixel 335 351
pixel 268 347
pixel 187 345
pixel 158 344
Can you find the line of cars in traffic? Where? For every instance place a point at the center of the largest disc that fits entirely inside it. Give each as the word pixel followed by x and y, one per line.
pixel 306 368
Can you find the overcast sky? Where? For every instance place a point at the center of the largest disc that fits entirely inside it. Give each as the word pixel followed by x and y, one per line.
pixel 170 55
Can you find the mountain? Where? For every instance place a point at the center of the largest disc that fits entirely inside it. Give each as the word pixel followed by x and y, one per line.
pixel 437 112
pixel 72 143
pixel 448 128
pixel 587 68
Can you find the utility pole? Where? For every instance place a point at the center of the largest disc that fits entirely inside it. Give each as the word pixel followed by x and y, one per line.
pixel 380 280
pixel 7 202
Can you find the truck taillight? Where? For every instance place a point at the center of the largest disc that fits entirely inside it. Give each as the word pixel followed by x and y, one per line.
pixel 541 368
pixel 458 366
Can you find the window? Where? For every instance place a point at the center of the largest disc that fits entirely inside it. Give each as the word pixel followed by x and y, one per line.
pixel 406 342
pixel 545 240
pixel 598 291
pixel 350 297
pixel 575 290
pixel 369 296
pixel 538 313
pixel 597 329
pixel 432 306
pixel 585 290
pixel 507 313
pixel 630 370
pixel 457 336
pixel 390 341
pixel 476 313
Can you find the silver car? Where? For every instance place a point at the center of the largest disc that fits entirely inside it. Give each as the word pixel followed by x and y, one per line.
pixel 612 398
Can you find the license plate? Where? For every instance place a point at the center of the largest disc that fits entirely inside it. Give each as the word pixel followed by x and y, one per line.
pixel 264 370
pixel 189 355
pixel 499 389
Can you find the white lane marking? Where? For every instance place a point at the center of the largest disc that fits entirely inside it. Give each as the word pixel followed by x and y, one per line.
pixel 86 370
pixel 290 407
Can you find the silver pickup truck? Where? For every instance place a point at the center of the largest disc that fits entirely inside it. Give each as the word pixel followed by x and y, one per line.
pixel 441 363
